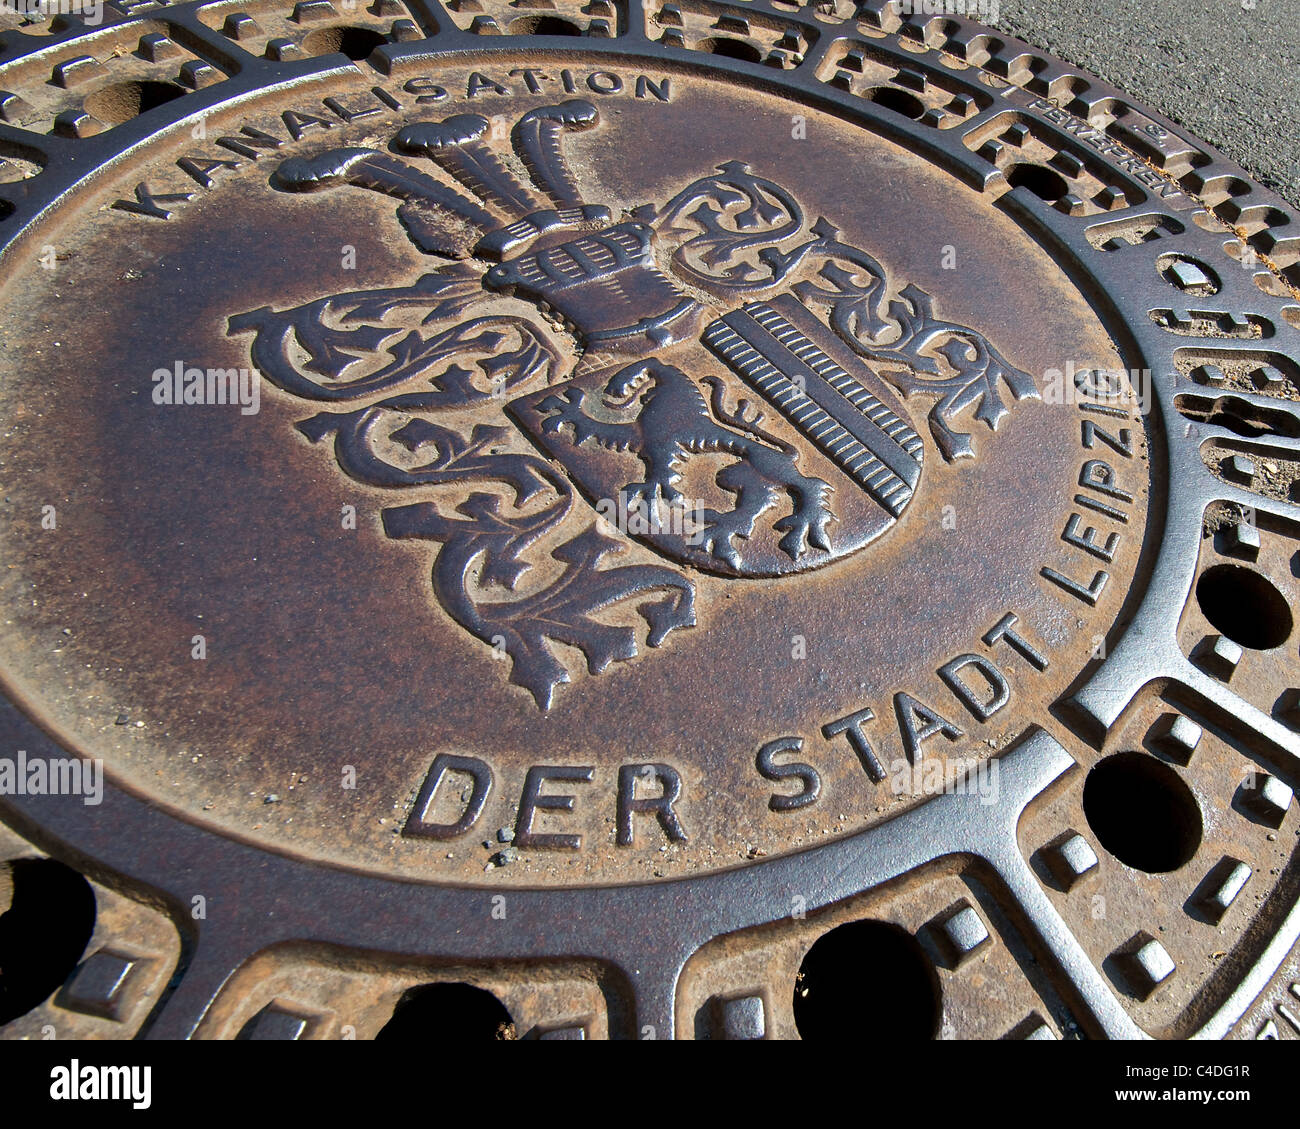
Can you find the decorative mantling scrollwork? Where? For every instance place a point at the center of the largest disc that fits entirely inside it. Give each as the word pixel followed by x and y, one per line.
pixel 737 227
pixel 494 540
pixel 451 341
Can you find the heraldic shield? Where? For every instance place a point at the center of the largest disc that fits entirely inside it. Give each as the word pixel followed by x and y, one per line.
pixel 715 374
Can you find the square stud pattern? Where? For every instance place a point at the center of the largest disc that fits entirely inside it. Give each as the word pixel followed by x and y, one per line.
pixel 1070 859
pixel 280 1022
pixel 1187 275
pixel 1242 540
pixel 573 1031
pixel 1033 1028
pixel 1176 736
pixel 1240 468
pixel 1268 378
pixel 102 985
pixel 959 932
pixel 1146 964
pixel 1289 708
pixel 1219 656
pixel 1225 882
pixel 1267 797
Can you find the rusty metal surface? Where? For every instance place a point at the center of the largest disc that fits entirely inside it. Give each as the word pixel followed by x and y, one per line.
pixel 603 505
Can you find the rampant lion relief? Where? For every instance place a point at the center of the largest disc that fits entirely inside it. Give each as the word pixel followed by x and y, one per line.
pixel 749 399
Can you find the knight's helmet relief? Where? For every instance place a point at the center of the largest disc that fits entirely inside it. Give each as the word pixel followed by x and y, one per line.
pixel 716 372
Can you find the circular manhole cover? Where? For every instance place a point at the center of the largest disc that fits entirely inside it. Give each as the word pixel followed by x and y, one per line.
pixel 594 523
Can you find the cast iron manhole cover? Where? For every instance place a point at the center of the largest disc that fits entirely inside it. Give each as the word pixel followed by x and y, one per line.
pixel 703 519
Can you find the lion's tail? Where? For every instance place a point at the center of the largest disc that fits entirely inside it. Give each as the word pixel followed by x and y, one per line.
pixel 737 419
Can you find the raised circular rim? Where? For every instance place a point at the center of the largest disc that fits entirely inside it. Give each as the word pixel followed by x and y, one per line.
pixel 144 847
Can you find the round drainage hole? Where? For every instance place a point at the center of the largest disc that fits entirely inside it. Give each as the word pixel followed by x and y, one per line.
pixel 1244 606
pixel 1142 812
pixel 439 1011
pixel 43 933
pixel 866 979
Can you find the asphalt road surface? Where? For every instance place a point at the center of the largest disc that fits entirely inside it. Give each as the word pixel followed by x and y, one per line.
pixel 1228 70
